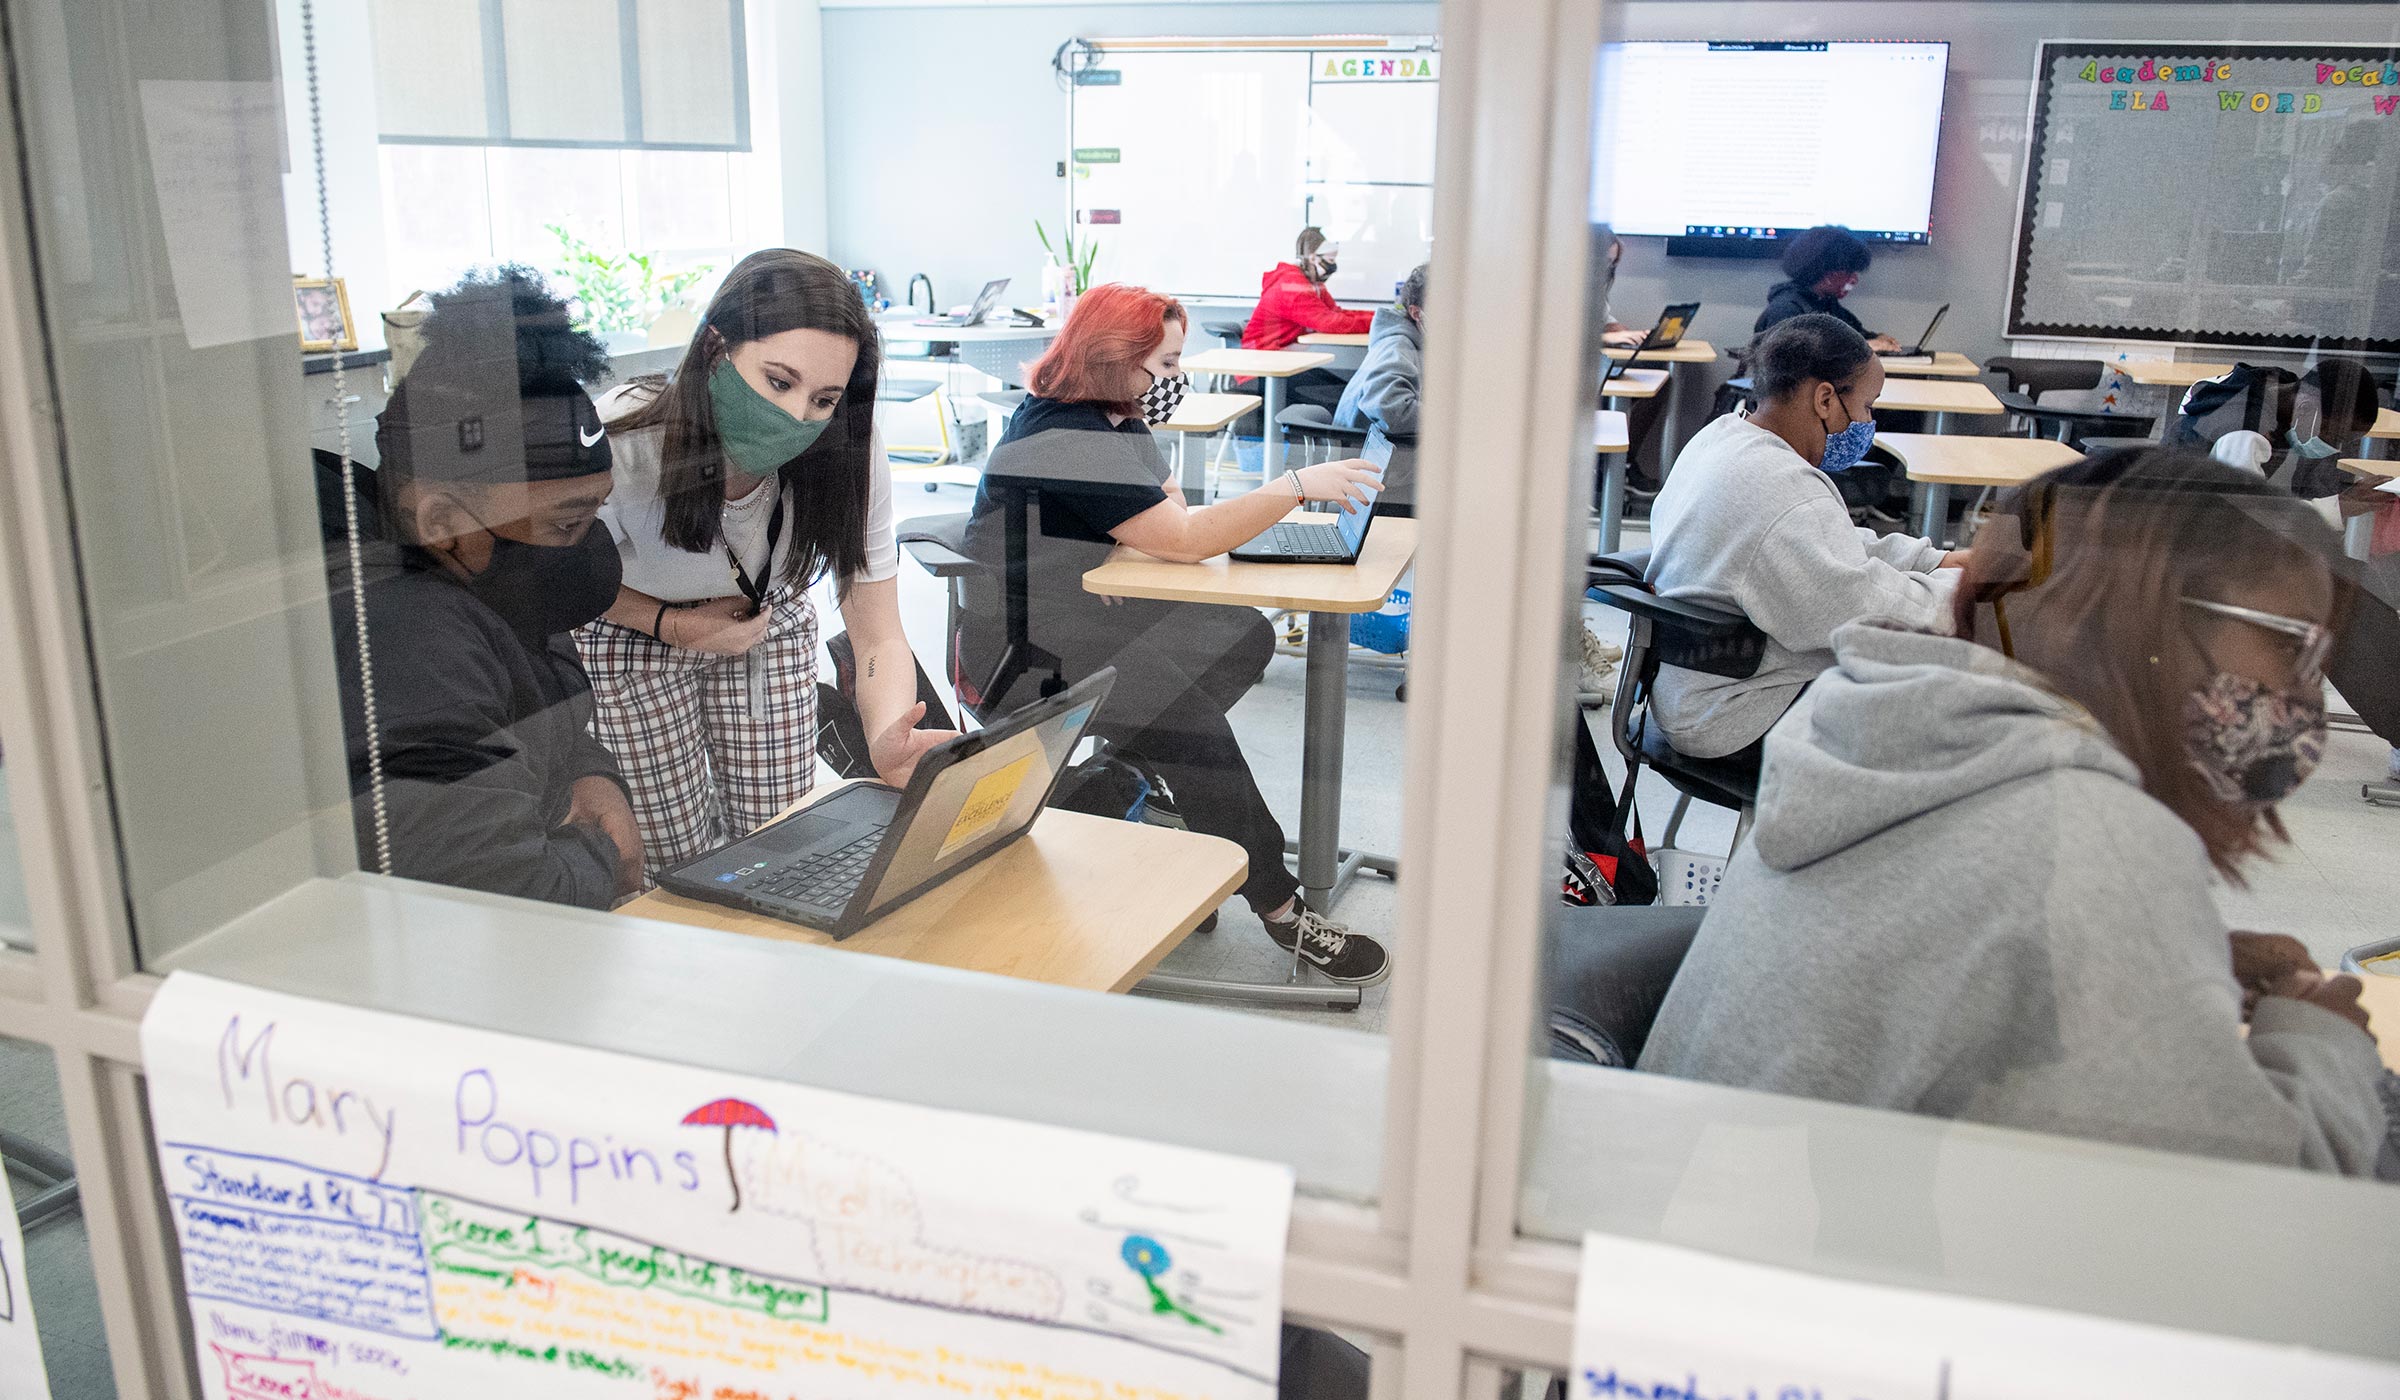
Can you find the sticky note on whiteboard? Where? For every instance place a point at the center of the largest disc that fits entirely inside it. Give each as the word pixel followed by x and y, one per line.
pixel 1657 1320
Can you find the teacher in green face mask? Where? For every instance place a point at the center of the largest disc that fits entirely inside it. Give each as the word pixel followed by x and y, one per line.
pixel 742 479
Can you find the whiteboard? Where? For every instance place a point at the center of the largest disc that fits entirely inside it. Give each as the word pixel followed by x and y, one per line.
pixel 2250 196
pixel 1194 167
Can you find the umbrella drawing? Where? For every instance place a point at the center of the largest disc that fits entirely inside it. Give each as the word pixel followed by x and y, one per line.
pixel 730 1114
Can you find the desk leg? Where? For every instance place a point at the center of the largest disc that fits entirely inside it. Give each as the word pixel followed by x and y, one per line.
pixel 1325 713
pixel 1273 447
pixel 1941 422
pixel 1933 509
pixel 1670 435
pixel 1612 500
pixel 1190 471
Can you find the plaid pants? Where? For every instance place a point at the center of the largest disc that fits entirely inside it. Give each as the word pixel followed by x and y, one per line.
pixel 702 768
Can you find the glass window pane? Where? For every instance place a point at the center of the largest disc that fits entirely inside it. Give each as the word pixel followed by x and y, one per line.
pixel 1923 589
pixel 566 77
pixel 437 207
pixel 429 67
pixel 534 188
pixel 679 203
pixel 54 1274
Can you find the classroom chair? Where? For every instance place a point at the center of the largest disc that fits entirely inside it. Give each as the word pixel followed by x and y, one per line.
pixel 2027 380
pixel 52 1175
pixel 1672 632
pixel 1310 427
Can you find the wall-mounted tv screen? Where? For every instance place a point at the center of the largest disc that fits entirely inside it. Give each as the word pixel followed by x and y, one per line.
pixel 1756 141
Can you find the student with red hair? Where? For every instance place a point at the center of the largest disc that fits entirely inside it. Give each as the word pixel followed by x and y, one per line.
pixel 1079 458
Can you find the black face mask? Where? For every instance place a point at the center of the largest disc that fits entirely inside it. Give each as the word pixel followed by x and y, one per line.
pixel 543 590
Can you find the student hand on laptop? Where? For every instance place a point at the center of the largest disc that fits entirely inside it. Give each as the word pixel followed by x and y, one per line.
pixel 896 750
pixel 1882 344
pixel 1346 481
pixel 1621 336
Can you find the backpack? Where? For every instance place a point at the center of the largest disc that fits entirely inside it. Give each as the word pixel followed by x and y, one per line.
pixel 1604 865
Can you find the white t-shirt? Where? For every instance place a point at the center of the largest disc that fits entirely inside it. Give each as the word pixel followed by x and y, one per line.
pixel 636 514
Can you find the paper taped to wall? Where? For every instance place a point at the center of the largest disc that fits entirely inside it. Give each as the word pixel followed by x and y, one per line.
pixel 21 1371
pixel 1658 1320
pixel 216 159
pixel 373 1207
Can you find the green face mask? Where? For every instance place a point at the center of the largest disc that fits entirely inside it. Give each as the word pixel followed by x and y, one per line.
pixel 758 436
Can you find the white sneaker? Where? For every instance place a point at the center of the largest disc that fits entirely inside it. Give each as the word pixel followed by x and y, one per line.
pixel 1599 660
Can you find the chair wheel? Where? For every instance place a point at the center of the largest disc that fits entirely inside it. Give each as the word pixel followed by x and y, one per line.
pixel 1400 693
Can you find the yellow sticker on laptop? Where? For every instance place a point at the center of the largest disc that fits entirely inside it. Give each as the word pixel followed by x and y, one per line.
pixel 986 804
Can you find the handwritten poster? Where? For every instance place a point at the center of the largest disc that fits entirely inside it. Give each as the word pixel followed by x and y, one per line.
pixel 21 1373
pixel 1655 1320
pixel 372 1207
pixel 216 160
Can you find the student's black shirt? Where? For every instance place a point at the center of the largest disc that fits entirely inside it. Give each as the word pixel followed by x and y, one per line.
pixel 482 732
pixel 1788 299
pixel 1082 478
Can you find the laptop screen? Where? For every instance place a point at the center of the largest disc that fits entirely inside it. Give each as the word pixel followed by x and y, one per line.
pixel 985 299
pixel 990 795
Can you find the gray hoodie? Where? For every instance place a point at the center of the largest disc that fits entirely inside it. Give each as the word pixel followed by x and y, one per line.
pixel 1385 390
pixel 1745 523
pixel 1958 901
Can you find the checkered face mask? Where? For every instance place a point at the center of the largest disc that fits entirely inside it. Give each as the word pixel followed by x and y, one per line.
pixel 1164 396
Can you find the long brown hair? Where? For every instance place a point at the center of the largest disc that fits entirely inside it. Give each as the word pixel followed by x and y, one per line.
pixel 2081 576
pixel 769 292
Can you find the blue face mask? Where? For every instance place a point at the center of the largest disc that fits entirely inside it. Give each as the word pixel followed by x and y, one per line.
pixel 1847 448
pixel 2313 446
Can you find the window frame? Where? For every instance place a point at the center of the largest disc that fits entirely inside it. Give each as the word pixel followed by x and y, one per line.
pixel 1438 1264
pixel 629 62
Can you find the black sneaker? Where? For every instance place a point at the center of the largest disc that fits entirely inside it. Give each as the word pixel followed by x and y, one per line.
pixel 1346 957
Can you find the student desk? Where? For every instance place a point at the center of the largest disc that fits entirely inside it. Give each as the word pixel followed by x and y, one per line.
pixel 1939 397
pixel 1636 383
pixel 1201 413
pixel 1691 350
pixel 1936 463
pixel 1947 364
pixel 998 350
pixel 2380 995
pixel 2387 425
pixel 2170 374
pixel 1327 340
pixel 1078 901
pixel 1610 438
pixel 1274 366
pixel 1329 594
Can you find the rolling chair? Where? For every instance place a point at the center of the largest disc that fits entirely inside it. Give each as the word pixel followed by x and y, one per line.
pixel 938 544
pixel 1310 427
pixel 1672 632
pixel 2027 380
pixel 53 1174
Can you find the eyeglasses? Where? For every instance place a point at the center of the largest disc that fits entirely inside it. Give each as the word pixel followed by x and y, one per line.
pixel 2312 641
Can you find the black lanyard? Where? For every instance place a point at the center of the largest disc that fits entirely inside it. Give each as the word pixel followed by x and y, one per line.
pixel 756 589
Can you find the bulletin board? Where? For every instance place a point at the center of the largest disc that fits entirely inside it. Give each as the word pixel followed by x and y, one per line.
pixel 1194 163
pixel 2225 194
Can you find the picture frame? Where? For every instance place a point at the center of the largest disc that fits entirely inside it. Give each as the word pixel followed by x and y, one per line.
pixel 322 305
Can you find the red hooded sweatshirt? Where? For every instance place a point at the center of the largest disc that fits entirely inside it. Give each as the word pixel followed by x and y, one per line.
pixel 1290 306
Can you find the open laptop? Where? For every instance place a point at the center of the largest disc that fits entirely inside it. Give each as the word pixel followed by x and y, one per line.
pixel 1311 542
pixel 1919 351
pixel 985 300
pixel 1673 323
pixel 854 857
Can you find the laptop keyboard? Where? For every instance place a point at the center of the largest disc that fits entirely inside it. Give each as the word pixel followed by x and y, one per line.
pixel 1296 538
pixel 825 879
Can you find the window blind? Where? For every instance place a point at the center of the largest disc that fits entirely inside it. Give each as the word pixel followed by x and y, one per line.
pixel 652 74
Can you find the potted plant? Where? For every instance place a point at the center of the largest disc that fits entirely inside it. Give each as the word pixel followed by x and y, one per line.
pixel 618 295
pixel 1068 274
